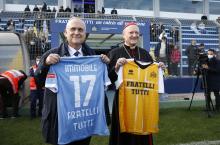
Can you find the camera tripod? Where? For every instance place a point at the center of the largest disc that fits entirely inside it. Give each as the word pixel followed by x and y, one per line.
pixel 208 100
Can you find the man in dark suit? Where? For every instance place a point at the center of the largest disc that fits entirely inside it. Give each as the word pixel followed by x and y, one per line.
pixel 212 69
pixel 75 33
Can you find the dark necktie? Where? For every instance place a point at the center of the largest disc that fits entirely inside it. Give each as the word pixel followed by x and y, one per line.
pixel 76 53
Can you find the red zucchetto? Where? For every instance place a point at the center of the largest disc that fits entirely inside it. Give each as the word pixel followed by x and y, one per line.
pixel 127 24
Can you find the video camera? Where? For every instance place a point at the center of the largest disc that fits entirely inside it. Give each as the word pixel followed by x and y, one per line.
pixel 202 58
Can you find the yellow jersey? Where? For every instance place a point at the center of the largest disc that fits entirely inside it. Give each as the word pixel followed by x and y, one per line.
pixel 138 98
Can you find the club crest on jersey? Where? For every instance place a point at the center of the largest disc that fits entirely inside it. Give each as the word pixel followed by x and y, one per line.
pixel 51 75
pixel 153 74
pixel 130 72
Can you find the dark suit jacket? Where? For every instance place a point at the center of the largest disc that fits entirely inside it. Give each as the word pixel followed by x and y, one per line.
pixel 49 112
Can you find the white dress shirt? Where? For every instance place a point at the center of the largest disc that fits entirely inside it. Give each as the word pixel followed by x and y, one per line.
pixel 73 50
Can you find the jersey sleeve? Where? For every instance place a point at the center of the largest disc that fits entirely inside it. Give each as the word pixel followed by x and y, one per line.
pixel 51 81
pixel 160 81
pixel 120 77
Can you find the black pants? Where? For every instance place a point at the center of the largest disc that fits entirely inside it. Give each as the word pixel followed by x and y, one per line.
pixel 217 98
pixel 36 95
pixel 191 66
pixel 8 95
pixel 174 69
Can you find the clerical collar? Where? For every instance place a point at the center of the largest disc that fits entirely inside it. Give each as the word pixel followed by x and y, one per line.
pixel 132 52
pixel 128 47
pixel 73 50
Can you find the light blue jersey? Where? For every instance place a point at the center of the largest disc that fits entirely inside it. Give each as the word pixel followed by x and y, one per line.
pixel 79 83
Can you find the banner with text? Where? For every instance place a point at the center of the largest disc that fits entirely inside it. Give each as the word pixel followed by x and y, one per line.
pixel 100 27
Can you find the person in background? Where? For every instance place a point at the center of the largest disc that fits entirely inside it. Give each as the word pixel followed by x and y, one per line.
pixel 27 9
pixel 212 72
pixel 36 93
pixel 54 9
pixel 175 59
pixel 103 10
pixel 153 32
pixel 30 40
pixel 174 33
pixel 76 9
pixel 191 53
pixel 161 28
pixel 75 33
pixel 162 50
pixel 10 83
pixel 67 9
pixel 44 7
pixel 48 9
pixel 36 9
pixel 10 25
pixel 114 11
pixel 61 9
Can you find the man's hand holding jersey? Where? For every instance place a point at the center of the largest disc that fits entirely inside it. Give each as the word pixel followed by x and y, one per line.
pixel 52 59
pixel 120 62
pixel 105 58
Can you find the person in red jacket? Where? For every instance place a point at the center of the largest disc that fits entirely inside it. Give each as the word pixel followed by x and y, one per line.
pixel 175 59
pixel 37 93
pixel 10 83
